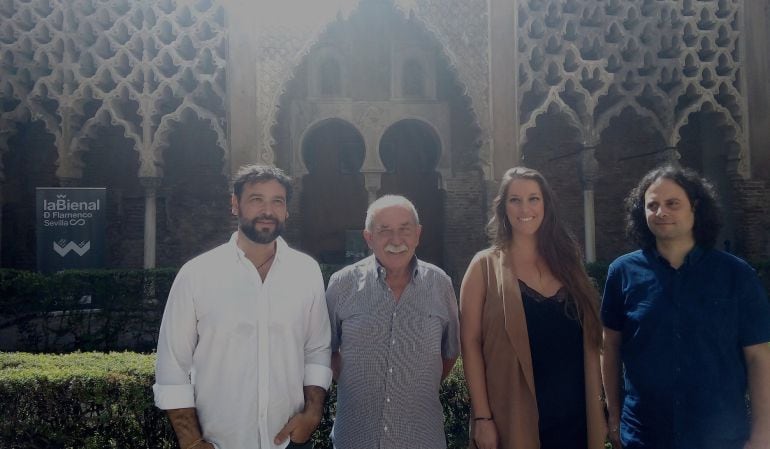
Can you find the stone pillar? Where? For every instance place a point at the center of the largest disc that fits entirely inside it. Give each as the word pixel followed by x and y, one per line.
pixel 150 219
pixel 589 173
pixel 755 46
pixel 373 183
pixel 669 155
pixel 293 232
pixel 243 133
pixel 503 79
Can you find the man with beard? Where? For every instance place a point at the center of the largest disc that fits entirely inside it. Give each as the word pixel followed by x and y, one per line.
pixel 686 327
pixel 395 337
pixel 243 353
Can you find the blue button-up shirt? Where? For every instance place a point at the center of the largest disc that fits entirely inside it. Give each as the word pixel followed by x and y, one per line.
pixel 683 333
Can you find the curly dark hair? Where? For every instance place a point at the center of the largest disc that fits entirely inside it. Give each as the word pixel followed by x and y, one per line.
pixel 556 245
pixel 249 174
pixel 703 199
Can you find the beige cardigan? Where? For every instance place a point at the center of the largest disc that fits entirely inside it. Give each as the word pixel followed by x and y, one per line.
pixel 506 351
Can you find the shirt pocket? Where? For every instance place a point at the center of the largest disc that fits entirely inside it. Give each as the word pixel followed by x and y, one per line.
pixel 424 331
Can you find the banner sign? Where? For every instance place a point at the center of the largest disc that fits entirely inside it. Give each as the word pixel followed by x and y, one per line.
pixel 71 225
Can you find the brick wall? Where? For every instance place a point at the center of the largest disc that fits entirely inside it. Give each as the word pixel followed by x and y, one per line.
pixel 752 215
pixel 466 219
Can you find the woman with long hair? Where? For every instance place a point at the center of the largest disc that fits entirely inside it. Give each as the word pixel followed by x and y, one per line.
pixel 530 328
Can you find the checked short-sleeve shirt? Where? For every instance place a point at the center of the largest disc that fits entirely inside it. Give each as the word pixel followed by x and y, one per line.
pixel 392 356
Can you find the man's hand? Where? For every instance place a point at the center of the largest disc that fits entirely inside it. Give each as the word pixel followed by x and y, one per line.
pixel 299 428
pixel 758 370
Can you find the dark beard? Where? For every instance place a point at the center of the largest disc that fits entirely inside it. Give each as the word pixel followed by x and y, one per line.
pixel 248 228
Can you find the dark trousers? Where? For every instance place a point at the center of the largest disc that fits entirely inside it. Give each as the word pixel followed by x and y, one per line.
pixel 306 445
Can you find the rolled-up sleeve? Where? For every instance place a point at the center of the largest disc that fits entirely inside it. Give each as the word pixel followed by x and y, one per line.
pixel 317 339
pixel 176 345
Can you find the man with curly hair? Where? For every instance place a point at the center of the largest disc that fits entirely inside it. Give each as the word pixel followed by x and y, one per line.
pixel 686 327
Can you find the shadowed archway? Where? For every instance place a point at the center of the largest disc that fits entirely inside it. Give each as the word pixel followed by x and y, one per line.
pixel 333 200
pixel 410 151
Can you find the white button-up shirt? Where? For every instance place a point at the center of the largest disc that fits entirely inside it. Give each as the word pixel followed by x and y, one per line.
pixel 240 350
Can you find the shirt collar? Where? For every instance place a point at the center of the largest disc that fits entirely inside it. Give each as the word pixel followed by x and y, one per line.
pixel 692 257
pixel 280 248
pixel 414 266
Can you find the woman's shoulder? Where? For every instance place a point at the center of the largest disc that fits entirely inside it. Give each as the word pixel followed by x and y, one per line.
pixel 480 263
pixel 486 253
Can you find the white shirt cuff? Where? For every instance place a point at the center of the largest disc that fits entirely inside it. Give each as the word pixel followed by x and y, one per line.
pixel 174 396
pixel 318 375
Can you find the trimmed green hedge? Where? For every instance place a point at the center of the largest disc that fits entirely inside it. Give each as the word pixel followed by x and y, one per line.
pixel 84 309
pixel 80 401
pixel 50 313
pixel 99 401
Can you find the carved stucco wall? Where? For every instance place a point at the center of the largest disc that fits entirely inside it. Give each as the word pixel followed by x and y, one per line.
pixel 666 60
pixel 460 27
pixel 137 64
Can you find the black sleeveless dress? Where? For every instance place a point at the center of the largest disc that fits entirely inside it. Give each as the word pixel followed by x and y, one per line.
pixel 556 344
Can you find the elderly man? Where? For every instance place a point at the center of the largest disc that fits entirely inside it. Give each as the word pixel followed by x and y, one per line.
pixel 243 353
pixel 394 337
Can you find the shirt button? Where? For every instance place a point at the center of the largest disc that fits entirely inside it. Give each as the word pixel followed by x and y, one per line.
pixel 386 428
pixel 393 342
pixel 387 399
pixel 390 370
pixel 394 313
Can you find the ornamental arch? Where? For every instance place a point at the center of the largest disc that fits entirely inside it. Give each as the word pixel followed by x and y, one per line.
pixel 418 134
pixel 32 152
pixel 333 197
pixel 707 145
pixel 410 150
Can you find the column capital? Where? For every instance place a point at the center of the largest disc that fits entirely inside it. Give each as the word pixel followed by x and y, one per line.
pixel 669 155
pixel 373 183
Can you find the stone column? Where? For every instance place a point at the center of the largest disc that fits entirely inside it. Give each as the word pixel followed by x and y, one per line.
pixel 373 183
pixel 293 232
pixel 503 86
pixel 589 171
pixel 150 219
pixel 243 133
pixel 669 155
pixel 755 47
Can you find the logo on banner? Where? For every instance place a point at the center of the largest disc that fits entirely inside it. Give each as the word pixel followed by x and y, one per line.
pixel 63 248
pixel 72 222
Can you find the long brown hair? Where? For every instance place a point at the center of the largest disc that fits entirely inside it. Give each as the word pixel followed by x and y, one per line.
pixel 556 245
